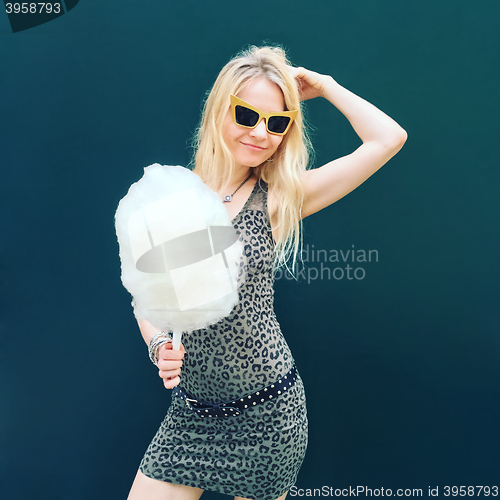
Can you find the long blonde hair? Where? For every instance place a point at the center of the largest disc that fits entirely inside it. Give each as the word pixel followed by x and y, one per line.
pixel 214 163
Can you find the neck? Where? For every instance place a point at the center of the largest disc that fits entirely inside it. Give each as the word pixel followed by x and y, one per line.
pixel 238 178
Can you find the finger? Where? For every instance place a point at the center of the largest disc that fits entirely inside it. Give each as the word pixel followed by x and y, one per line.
pixel 300 72
pixel 166 346
pixel 296 72
pixel 171 383
pixel 169 373
pixel 166 352
pixel 166 374
pixel 169 346
pixel 169 364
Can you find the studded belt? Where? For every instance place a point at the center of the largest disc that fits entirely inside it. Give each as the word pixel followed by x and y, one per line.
pixel 237 406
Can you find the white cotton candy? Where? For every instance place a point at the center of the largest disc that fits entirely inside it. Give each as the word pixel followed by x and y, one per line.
pixel 181 258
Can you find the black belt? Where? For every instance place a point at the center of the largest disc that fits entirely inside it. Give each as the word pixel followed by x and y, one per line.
pixel 235 407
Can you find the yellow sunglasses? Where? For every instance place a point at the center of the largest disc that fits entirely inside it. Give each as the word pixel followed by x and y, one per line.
pixel 246 115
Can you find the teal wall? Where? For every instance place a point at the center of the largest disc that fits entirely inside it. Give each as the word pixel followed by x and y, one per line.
pixel 400 368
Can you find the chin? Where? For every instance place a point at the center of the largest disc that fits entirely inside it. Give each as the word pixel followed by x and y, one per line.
pixel 251 162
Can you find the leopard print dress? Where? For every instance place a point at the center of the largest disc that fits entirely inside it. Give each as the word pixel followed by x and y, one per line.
pixel 257 454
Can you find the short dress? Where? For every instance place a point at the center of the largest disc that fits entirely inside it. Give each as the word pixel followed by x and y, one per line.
pixel 258 453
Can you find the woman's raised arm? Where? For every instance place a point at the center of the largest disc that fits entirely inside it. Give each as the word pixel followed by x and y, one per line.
pixel 382 138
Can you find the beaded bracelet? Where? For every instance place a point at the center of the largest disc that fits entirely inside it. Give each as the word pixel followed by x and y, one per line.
pixel 155 343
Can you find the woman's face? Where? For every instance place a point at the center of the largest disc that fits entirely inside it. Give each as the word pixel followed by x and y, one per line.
pixel 251 146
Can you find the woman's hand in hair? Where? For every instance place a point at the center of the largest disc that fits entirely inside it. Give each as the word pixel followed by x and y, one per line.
pixel 169 364
pixel 310 83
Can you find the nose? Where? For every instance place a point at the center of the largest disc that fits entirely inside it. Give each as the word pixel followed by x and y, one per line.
pixel 260 131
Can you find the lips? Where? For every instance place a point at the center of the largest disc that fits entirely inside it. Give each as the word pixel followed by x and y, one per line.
pixel 256 148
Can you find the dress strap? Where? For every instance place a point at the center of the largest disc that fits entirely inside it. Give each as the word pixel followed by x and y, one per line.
pixel 247 203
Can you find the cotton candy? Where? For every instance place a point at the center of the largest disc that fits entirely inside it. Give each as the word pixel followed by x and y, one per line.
pixel 181 258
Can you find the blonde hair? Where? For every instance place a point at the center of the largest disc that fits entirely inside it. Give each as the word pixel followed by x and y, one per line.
pixel 214 162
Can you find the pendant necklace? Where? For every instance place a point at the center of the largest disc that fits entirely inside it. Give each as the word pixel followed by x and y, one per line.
pixel 229 197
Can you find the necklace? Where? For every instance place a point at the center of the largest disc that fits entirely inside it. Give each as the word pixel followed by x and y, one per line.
pixel 229 197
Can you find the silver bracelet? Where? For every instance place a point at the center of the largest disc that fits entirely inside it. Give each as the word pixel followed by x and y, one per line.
pixel 155 343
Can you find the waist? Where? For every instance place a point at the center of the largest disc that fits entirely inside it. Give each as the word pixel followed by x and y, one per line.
pixel 235 407
pixel 238 355
pixel 220 382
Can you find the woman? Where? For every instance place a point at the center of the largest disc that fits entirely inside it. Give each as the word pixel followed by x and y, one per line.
pixel 252 149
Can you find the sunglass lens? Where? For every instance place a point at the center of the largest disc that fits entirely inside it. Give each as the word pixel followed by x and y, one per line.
pixel 278 124
pixel 246 117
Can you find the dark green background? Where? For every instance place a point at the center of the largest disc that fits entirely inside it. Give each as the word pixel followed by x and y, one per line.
pixel 401 368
